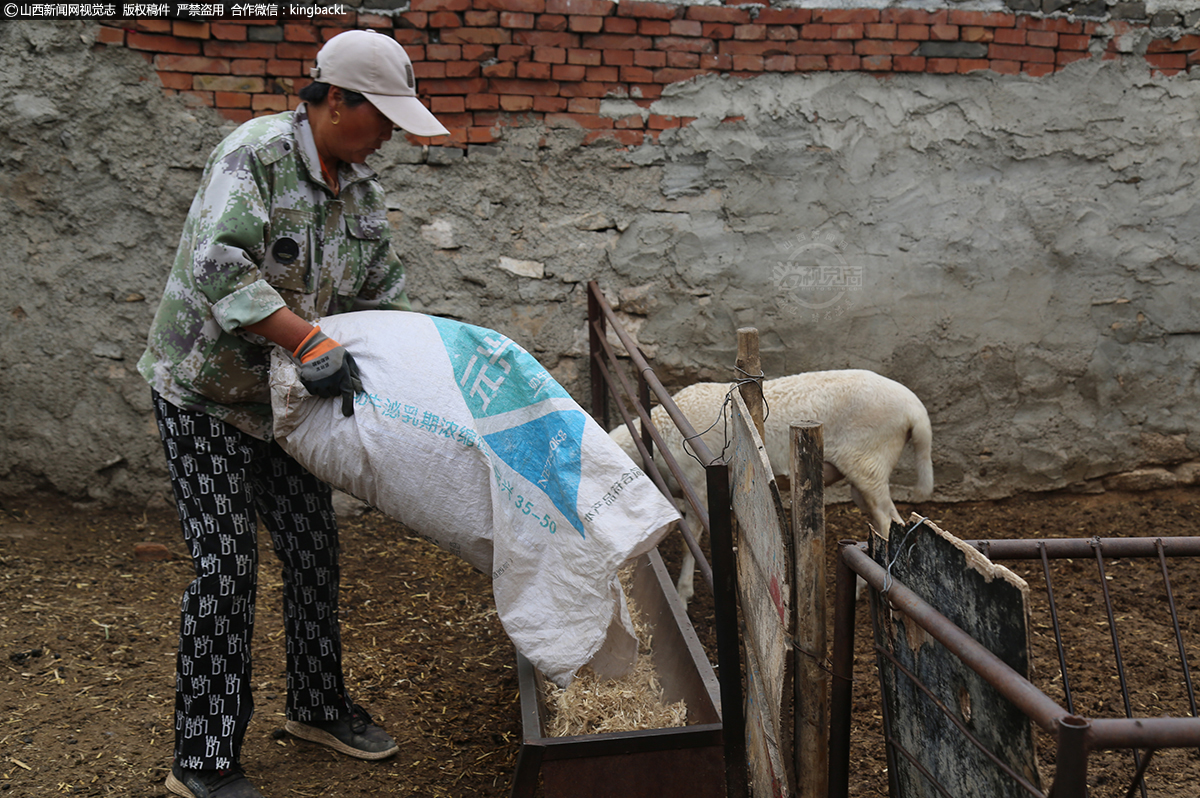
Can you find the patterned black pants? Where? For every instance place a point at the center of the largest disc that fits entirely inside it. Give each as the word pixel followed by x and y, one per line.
pixel 222 477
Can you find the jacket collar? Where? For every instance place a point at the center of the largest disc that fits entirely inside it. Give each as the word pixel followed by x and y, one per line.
pixel 348 173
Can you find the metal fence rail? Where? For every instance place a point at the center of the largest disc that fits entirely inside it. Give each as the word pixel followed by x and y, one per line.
pixel 608 379
pixel 1076 736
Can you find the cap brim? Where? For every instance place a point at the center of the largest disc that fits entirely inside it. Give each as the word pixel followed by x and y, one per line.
pixel 409 113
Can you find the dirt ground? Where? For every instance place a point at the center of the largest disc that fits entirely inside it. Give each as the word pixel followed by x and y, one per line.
pixel 87 641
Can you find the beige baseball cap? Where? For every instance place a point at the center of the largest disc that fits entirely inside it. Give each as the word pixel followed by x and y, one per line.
pixel 376 66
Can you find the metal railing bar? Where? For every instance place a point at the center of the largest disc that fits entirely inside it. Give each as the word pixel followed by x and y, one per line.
pixel 1016 688
pixel 689 434
pixel 841 695
pixel 728 631
pixel 1071 758
pixel 894 744
pixel 1112 734
pixel 656 476
pixel 912 677
pixel 1116 642
pixel 1058 640
pixel 1060 548
pixel 1183 659
pixel 1139 778
pixel 643 402
pixel 890 751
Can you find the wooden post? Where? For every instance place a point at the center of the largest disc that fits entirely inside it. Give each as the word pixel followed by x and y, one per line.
pixel 750 366
pixel 725 606
pixel 811 683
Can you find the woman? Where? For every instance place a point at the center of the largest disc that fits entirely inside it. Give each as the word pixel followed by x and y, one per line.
pixel 288 225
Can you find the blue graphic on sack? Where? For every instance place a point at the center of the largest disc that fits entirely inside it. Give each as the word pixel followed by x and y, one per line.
pixel 548 452
pixel 493 372
pixel 495 375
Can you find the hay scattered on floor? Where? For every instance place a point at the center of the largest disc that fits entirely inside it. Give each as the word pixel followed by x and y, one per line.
pixel 591 705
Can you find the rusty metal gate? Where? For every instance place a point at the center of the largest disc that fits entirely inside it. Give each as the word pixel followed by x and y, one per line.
pixel 1075 736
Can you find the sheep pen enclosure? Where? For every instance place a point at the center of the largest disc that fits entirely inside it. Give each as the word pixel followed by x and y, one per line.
pixel 87 633
pixel 964 199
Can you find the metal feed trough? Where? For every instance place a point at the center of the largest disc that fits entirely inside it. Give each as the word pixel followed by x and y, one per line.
pixel 707 756
pixel 1077 737
pixel 683 761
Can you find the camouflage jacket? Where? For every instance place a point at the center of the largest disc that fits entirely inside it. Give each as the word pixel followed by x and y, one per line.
pixel 264 232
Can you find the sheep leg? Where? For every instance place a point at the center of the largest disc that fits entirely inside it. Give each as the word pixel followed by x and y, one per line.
pixel 685 586
pixel 882 513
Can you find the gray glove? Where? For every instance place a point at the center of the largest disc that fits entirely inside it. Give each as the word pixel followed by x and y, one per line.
pixel 327 369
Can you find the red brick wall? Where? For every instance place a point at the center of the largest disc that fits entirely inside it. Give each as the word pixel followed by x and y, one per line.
pixel 483 65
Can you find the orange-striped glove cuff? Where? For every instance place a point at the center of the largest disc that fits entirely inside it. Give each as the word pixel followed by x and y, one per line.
pixel 315 344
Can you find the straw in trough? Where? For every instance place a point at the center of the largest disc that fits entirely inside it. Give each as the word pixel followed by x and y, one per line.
pixel 591 705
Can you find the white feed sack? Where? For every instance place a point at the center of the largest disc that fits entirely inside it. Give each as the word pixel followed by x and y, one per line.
pixel 463 437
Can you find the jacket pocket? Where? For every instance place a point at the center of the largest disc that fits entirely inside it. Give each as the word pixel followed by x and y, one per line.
pixel 365 235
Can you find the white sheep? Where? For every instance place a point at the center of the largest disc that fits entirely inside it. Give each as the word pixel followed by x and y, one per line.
pixel 866 420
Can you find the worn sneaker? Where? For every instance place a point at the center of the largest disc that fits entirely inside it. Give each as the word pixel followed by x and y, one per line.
pixel 355 735
pixel 210 783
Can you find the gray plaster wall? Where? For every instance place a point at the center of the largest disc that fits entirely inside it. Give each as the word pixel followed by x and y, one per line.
pixel 1020 252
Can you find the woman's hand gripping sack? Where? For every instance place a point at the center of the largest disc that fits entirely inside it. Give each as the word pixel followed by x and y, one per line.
pixel 327 369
